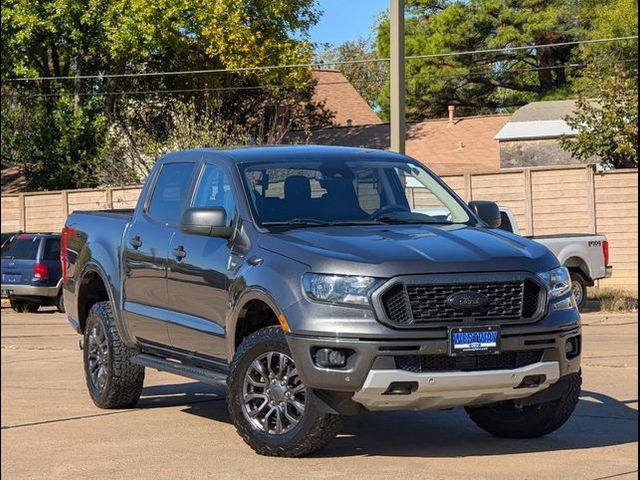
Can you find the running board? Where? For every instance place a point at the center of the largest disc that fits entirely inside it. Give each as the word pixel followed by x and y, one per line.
pixel 195 373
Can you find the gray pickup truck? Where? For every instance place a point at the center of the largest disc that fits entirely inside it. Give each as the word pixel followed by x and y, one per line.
pixel 300 278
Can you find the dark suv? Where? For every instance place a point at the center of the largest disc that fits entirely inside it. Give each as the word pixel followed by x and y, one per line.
pixel 31 271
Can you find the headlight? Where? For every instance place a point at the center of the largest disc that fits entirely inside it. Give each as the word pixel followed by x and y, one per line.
pixel 339 289
pixel 558 281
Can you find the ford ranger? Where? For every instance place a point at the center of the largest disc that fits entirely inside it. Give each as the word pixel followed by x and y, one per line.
pixel 300 278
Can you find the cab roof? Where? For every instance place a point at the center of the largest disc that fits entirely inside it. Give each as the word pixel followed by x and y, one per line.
pixel 287 153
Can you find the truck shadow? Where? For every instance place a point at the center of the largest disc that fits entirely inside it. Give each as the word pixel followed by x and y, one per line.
pixel 599 421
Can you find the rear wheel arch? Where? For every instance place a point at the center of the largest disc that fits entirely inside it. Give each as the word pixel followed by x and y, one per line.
pixel 578 265
pixel 91 289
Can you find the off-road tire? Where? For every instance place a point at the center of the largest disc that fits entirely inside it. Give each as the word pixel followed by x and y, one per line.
pixel 508 421
pixel 578 280
pixel 24 307
pixel 125 379
pixel 315 430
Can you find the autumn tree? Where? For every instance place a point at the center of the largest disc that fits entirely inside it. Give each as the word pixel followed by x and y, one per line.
pixel 73 38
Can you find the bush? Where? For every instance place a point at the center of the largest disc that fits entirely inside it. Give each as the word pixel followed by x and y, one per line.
pixel 614 299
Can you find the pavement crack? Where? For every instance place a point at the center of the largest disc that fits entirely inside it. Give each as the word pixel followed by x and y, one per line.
pixel 603 324
pixel 37 349
pixel 41 336
pixel 608 417
pixel 616 475
pixel 61 420
pixel 8 362
pixel 94 415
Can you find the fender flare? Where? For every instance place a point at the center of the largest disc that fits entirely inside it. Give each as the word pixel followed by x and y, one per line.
pixel 568 253
pixel 250 294
pixel 93 267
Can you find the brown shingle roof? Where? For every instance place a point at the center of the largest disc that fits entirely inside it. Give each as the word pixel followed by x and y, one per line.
pixel 465 146
pixel 13 180
pixel 341 98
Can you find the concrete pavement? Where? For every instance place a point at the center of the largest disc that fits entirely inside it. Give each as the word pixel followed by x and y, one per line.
pixel 180 429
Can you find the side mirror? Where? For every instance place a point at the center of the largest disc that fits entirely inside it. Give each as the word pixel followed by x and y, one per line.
pixel 211 222
pixel 488 212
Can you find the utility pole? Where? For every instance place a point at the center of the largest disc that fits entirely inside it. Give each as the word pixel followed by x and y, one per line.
pixel 398 122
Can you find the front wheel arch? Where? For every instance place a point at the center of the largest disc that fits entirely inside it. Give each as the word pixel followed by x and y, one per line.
pixel 236 329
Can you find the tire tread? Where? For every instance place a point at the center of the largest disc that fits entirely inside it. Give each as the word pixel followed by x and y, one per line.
pixel 127 378
pixel 549 417
pixel 324 426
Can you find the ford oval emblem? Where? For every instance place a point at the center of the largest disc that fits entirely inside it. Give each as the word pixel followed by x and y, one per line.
pixel 467 300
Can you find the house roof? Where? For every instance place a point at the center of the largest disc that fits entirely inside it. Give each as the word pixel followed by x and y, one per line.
pixel 542 111
pixel 539 120
pixel 463 146
pixel 13 180
pixel 341 98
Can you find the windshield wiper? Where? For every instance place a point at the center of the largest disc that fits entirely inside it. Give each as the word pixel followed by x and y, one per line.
pixel 411 221
pixel 343 223
pixel 312 222
pixel 298 222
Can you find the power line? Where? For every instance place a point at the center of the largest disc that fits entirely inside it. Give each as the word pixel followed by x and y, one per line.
pixel 319 65
pixel 185 90
pixel 344 82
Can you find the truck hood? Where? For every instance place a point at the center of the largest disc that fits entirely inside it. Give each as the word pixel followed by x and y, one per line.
pixel 390 250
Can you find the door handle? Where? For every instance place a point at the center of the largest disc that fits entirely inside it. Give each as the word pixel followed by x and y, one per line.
pixel 179 252
pixel 135 242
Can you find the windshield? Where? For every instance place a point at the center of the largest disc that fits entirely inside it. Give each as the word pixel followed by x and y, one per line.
pixel 342 191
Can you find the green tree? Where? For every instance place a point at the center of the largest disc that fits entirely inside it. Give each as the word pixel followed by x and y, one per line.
pixel 607 125
pixel 611 19
pixel 485 83
pixel 59 38
pixel 368 78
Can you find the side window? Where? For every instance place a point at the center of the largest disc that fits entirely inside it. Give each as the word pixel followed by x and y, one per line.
pixel 367 187
pixel 169 191
pixel 506 222
pixel 214 190
pixel 52 249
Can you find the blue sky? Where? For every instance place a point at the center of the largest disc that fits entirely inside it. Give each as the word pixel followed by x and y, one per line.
pixel 346 20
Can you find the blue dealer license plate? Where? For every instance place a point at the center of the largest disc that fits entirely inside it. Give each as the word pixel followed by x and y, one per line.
pixel 474 340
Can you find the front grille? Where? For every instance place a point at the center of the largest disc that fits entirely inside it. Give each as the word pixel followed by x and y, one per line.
pixel 409 305
pixel 471 363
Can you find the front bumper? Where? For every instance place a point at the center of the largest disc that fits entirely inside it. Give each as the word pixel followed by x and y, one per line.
pixel 16 291
pixel 451 389
pixel 371 369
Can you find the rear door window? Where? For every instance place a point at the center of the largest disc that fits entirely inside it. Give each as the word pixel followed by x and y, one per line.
pixel 21 247
pixel 51 249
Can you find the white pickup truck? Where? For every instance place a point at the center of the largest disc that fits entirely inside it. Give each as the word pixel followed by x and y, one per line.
pixel 585 255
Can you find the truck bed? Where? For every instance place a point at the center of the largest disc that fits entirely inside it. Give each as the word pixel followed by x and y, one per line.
pixel 122 214
pixel 562 235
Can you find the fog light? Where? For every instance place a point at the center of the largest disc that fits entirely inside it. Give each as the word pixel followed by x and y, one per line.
pixel 572 347
pixel 330 358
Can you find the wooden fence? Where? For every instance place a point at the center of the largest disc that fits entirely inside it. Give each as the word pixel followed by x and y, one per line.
pixel 544 201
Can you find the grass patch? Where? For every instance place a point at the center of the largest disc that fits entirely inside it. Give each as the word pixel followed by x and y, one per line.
pixel 614 299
